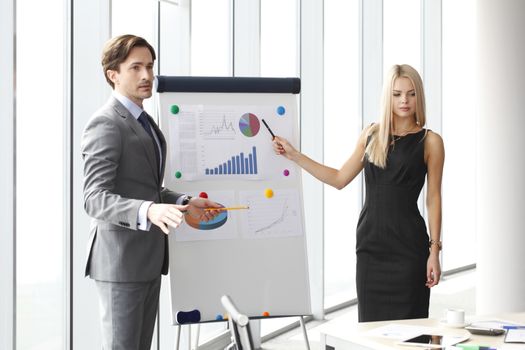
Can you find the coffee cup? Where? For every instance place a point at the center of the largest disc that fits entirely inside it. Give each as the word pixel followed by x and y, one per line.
pixel 455 316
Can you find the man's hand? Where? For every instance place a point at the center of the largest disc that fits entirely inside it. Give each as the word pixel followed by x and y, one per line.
pixel 196 208
pixel 164 215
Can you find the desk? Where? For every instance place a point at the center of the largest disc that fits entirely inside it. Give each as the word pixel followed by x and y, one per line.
pixel 344 334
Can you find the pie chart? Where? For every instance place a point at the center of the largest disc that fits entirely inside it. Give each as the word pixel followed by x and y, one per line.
pixel 249 124
pixel 214 223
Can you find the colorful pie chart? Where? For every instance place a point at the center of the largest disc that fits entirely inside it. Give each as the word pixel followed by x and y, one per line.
pixel 214 223
pixel 249 124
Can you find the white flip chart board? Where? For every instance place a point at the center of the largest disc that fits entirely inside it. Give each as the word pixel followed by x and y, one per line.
pixel 218 145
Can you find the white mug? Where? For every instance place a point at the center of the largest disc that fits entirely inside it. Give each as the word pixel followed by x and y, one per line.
pixel 455 316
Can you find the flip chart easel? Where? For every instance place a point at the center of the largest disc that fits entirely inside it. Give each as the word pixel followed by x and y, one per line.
pixel 218 146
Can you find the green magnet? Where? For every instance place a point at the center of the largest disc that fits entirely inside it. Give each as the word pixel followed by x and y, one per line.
pixel 174 109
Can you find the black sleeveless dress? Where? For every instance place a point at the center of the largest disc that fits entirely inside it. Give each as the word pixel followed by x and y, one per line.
pixel 392 240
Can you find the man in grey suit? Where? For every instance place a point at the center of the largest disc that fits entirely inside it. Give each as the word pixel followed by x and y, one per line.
pixel 124 156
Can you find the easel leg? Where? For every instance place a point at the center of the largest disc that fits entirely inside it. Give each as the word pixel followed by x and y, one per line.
pixel 189 338
pixel 188 346
pixel 197 334
pixel 177 337
pixel 301 320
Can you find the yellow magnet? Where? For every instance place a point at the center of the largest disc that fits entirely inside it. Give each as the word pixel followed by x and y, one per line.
pixel 268 193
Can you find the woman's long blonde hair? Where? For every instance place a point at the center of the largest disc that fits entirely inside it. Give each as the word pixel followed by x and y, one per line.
pixel 380 133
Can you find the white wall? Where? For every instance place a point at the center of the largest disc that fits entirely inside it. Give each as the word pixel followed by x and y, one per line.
pixel 501 164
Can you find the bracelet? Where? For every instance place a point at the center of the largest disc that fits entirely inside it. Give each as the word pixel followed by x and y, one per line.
pixel 438 243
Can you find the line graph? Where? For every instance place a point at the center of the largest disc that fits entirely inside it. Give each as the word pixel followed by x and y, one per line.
pixel 278 216
pixel 276 222
pixel 217 126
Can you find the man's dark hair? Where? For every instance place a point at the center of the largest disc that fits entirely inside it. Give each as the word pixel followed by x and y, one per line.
pixel 117 51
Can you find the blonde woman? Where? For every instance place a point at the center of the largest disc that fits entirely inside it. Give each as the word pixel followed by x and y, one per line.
pixel 397 260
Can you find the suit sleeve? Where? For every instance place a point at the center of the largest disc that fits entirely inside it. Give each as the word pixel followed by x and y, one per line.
pixel 168 196
pixel 101 151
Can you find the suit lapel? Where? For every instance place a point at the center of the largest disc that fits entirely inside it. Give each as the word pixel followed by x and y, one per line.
pixel 141 133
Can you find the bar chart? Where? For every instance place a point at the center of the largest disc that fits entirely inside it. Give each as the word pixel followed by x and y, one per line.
pixel 238 164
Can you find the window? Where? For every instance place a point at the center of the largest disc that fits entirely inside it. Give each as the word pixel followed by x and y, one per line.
pixel 279 46
pixel 135 17
pixel 40 175
pixel 207 50
pixel 342 126
pixel 459 119
pixel 401 33
pixel 211 55
pixel 279 39
pixel 211 38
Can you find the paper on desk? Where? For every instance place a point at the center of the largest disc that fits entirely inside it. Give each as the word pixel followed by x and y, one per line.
pixel 493 324
pixel 399 331
pixel 512 347
pixel 515 336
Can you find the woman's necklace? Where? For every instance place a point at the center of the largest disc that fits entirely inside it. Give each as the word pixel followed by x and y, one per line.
pixel 403 133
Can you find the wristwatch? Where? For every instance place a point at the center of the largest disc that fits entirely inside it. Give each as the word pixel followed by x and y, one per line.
pixel 438 243
pixel 186 200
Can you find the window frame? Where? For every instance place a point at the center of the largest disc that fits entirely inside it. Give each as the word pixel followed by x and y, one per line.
pixel 8 175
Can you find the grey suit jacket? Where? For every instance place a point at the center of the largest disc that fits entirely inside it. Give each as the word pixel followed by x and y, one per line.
pixel 120 173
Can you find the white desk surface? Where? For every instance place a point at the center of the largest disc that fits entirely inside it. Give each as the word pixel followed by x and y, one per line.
pixel 343 333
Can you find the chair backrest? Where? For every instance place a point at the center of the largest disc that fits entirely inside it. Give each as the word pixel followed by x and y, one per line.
pixel 239 326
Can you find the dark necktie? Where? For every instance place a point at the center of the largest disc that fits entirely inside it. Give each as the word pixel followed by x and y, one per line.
pixel 143 120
